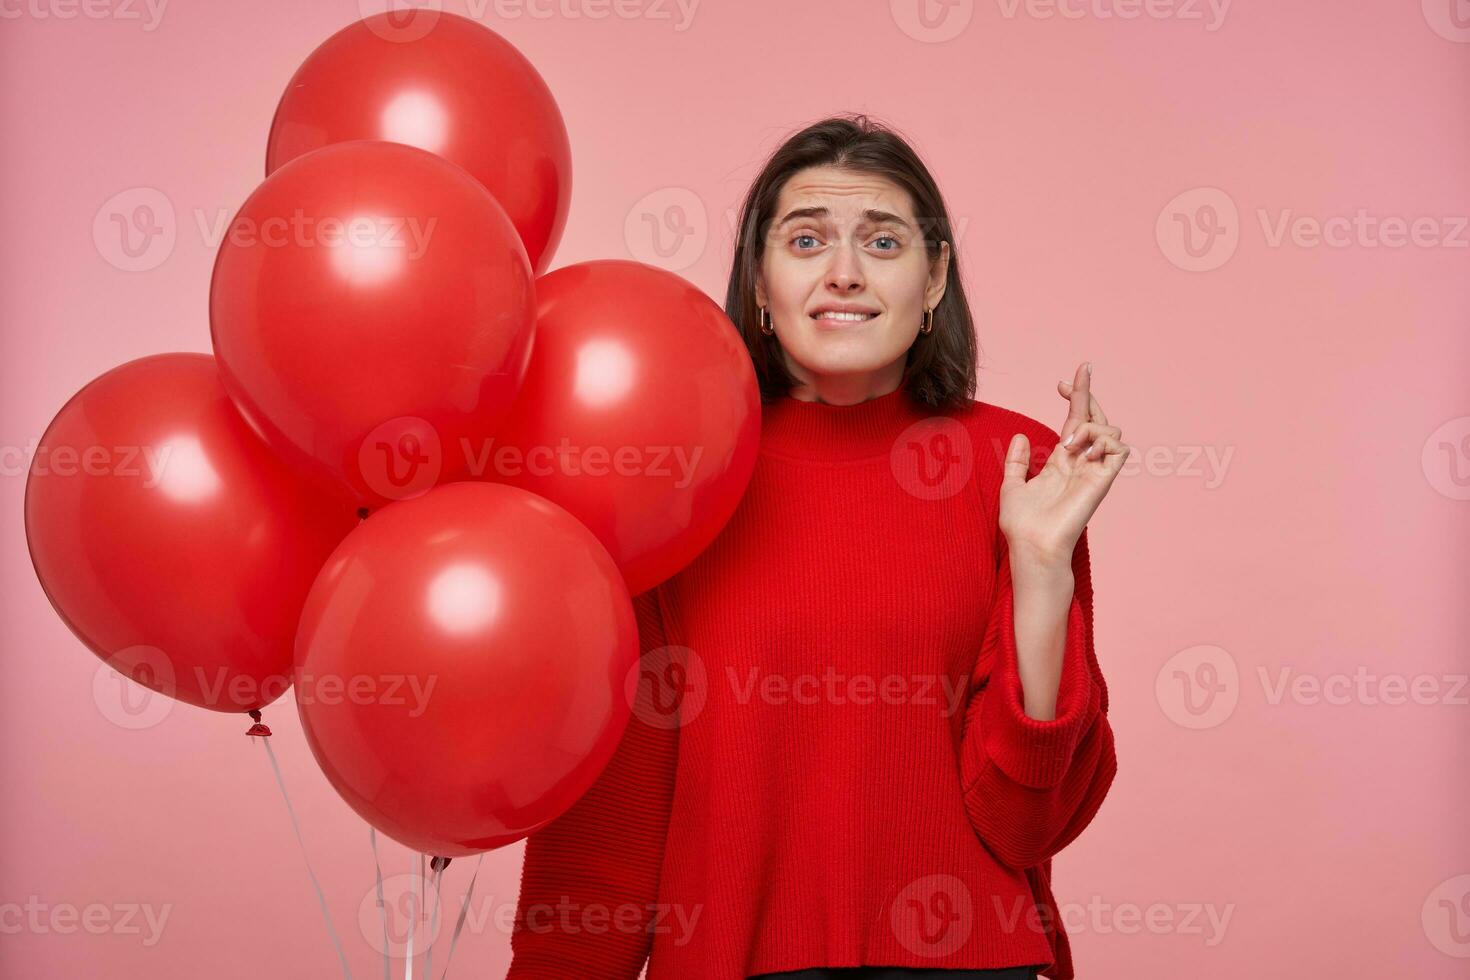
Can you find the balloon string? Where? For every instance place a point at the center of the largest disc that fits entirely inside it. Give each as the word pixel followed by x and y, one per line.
pixel 463 911
pixel 296 828
pixel 417 911
pixel 438 870
pixel 382 907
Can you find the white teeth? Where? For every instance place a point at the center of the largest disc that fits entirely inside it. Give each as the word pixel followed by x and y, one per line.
pixel 852 317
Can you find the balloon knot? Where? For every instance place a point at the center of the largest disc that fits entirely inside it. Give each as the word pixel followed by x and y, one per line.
pixel 257 728
pixel 438 863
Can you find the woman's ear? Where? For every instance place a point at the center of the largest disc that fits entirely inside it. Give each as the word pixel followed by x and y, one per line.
pixel 760 290
pixel 938 277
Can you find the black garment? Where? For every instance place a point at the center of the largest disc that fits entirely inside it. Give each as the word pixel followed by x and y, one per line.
pixel 900 973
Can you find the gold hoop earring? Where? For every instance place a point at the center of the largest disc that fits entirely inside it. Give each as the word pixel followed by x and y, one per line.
pixel 928 325
pixel 767 327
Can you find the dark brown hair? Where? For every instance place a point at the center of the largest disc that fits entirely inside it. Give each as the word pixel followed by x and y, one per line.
pixel 940 368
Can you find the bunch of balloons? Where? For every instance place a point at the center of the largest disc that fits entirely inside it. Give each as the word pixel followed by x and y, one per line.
pixel 418 479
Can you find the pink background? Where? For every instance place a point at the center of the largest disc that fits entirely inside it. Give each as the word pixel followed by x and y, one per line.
pixel 1297 505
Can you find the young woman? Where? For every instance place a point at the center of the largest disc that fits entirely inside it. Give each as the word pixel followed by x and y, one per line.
pixel 870 712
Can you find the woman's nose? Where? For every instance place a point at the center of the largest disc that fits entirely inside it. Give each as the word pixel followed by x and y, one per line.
pixel 845 272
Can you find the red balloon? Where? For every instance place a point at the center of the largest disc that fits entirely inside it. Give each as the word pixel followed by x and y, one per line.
pixel 170 540
pixel 446 84
pixel 640 414
pixel 372 310
pixel 488 637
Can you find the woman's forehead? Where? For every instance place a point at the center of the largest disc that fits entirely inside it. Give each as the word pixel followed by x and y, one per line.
pixel 844 193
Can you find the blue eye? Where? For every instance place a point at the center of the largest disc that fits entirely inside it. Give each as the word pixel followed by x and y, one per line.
pixel 798 239
pixel 889 238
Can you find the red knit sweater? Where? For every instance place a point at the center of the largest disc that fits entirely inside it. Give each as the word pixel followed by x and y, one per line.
pixel 829 763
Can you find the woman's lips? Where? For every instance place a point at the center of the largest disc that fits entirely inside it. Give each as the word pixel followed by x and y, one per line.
pixel 828 323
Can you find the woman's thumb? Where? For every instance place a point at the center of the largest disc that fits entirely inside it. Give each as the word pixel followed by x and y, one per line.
pixel 1017 454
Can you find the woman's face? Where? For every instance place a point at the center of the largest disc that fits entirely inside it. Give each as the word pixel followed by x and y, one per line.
pixel 847 241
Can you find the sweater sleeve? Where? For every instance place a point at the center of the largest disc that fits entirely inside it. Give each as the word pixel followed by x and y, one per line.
pixel 1031 786
pixel 590 878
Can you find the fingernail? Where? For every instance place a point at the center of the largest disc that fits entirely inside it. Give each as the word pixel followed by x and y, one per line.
pixel 1068 440
pixel 1089 369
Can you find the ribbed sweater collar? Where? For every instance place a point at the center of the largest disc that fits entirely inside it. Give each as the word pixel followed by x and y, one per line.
pixel 821 431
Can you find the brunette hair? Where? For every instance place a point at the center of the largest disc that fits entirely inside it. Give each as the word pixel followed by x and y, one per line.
pixel 940 368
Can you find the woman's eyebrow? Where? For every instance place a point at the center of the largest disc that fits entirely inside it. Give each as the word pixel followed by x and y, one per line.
pixel 872 215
